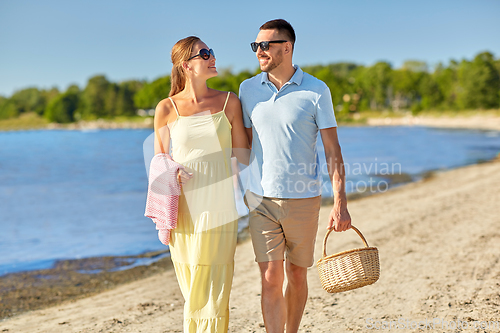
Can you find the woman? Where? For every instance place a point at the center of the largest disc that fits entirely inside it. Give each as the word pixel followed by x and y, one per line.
pixel 203 126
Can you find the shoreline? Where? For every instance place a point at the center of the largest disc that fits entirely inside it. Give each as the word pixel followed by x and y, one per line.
pixel 433 265
pixel 477 122
pixel 481 120
pixel 73 279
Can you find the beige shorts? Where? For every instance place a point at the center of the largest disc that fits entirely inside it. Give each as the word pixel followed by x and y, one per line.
pixel 283 226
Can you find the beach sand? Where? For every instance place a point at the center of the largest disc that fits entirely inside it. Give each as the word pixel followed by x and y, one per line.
pixel 439 246
pixel 476 121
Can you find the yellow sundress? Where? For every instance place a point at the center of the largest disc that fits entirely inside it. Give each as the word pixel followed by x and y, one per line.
pixel 202 245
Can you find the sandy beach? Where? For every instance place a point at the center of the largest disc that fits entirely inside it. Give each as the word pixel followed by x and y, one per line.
pixel 439 249
pixel 476 121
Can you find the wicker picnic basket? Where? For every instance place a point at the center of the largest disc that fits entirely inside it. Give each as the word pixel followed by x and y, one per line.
pixel 350 269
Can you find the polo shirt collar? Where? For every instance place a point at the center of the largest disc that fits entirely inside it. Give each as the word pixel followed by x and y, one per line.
pixel 296 78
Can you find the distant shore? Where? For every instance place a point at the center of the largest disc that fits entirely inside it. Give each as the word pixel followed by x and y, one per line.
pixel 484 120
pixel 31 121
pixel 478 121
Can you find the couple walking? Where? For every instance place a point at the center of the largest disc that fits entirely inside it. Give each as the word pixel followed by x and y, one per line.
pixel 279 116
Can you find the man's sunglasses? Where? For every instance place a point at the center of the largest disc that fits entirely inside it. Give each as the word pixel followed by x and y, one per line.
pixel 204 54
pixel 264 46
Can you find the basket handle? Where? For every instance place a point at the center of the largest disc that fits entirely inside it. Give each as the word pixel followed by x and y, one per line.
pixel 352 227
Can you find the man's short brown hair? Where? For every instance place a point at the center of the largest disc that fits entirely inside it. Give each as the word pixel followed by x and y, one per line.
pixel 283 27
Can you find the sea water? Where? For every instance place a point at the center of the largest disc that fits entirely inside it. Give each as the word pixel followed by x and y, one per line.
pixel 69 194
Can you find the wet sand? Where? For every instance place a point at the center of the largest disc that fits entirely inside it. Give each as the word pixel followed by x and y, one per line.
pixel 439 249
pixel 73 279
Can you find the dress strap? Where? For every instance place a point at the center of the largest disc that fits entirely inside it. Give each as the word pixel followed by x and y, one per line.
pixel 227 99
pixel 175 107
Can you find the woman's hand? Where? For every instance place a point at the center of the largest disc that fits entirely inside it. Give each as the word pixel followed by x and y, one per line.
pixel 183 176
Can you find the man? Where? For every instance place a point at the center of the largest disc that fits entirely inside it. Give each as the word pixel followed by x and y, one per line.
pixel 283 111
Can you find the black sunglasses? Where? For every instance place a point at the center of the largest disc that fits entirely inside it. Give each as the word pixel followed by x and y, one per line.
pixel 264 46
pixel 204 54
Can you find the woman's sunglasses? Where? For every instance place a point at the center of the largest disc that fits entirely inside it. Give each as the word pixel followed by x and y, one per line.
pixel 264 46
pixel 204 54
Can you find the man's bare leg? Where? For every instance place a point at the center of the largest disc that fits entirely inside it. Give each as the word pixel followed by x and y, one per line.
pixel 295 296
pixel 272 300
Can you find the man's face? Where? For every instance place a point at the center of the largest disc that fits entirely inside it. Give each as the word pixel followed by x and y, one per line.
pixel 272 58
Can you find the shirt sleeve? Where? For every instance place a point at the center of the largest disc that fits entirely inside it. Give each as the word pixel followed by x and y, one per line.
pixel 247 122
pixel 325 116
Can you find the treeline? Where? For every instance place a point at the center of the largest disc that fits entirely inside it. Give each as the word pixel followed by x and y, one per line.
pixel 100 99
pixel 468 84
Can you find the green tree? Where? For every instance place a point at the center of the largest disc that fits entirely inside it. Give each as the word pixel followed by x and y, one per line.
pixel 377 81
pixel 479 81
pixel 428 88
pixel 52 93
pixel 111 99
pixel 223 81
pixel 464 85
pixel 28 100
pixel 125 98
pixel 360 87
pixel 341 78
pixel 62 108
pixel 94 98
pixel 446 80
pixel 152 93
pixel 406 83
pixel 333 82
pixel 8 108
pixel 74 89
pixel 226 81
pixel 240 77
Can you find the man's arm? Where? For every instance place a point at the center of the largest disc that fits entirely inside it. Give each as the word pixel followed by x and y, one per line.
pixel 247 122
pixel 249 135
pixel 241 148
pixel 339 218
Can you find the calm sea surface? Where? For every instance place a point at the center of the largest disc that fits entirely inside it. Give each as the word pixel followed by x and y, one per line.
pixel 76 194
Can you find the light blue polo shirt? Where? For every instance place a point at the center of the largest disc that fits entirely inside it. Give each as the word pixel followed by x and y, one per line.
pixel 285 126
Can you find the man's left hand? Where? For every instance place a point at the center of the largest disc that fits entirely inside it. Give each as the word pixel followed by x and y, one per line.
pixel 339 218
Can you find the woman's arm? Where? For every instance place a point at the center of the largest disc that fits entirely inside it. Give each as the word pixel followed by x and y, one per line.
pixel 162 131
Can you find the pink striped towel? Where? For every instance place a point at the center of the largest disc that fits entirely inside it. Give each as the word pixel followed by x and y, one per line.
pixel 162 202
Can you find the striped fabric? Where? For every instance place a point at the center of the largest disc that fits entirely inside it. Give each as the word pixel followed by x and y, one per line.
pixel 162 202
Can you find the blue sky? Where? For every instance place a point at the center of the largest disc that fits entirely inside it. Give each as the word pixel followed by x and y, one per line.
pixel 56 43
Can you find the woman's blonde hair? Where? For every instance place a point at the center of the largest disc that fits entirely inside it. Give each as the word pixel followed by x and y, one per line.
pixel 180 52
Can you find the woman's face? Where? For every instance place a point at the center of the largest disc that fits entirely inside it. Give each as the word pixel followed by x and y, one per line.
pixel 200 67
